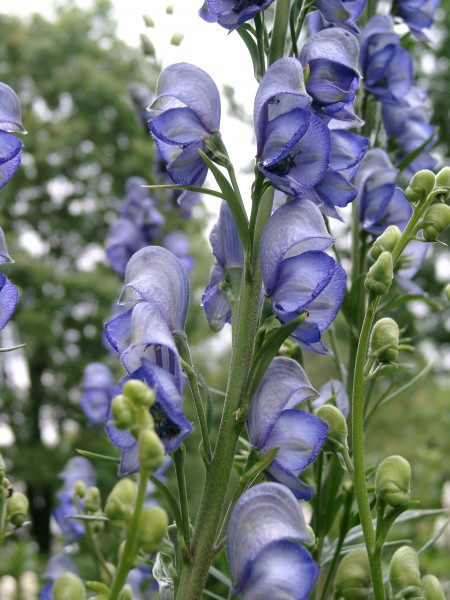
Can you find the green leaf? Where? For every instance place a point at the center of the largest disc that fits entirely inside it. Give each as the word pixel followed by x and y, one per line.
pixel 88 518
pixel 94 455
pixel 220 576
pixel 415 153
pixel 188 188
pixel 259 466
pixel 229 195
pixel 12 348
pixel 252 47
pixel 170 499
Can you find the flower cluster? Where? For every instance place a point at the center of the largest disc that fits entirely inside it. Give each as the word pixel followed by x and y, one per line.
pixel 157 291
pixel 232 13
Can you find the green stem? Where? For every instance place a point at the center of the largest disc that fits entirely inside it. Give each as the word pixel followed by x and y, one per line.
pixel 178 459
pixel 92 539
pixel 128 556
pixel 357 443
pixel 279 31
pixel 185 354
pixel 260 40
pixel 203 550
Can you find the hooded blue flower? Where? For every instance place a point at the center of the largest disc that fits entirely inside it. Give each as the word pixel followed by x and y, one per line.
pixel 170 423
pixel 417 14
pixel 9 295
pixel 333 390
pixel 97 384
pixel 381 203
pixel 409 126
pixel 387 67
pixel 298 276
pixel 275 422
pixel 77 469
pixel 232 13
pixel 185 111
pixel 332 59
pixel 264 546
pixel 10 121
pixel 341 12
pixel 228 253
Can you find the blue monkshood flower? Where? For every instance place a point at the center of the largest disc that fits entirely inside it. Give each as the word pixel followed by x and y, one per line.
pixel 57 565
pixel 10 121
pixel 185 112
pixel 409 126
pixel 298 276
pixel 77 469
pixel 333 390
pixel 275 422
pixel 232 13
pixel 341 12
pixel 170 423
pixel 8 292
pixel 386 67
pixel 228 254
pixel 178 243
pixel 380 202
pixel 332 59
pixel 98 381
pixel 264 546
pixel 417 14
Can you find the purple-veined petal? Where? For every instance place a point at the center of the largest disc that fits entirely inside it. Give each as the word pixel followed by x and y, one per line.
pixel 10 157
pixel 9 297
pixel 192 87
pixel 347 149
pixel 263 514
pixel 278 474
pixel 178 126
pixel 157 276
pixel 4 255
pixel 303 229
pixel 284 386
pixel 224 239
pixel 335 189
pixel 281 89
pixel 217 307
pixel 283 570
pixel 10 113
pixel 231 13
pixel 335 45
pixel 118 331
pixel 333 389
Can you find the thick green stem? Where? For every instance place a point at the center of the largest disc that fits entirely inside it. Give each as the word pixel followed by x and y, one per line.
pixel 130 549
pixel 279 31
pixel 357 442
pixel 203 550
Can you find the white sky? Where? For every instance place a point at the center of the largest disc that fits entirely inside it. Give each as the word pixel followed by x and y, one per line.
pixel 206 45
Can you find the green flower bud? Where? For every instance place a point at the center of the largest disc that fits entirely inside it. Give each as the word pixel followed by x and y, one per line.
pixel 153 523
pixel 69 587
pixel 152 454
pixel 176 39
pixel 106 575
pixel 122 410
pixel 2 469
pixel 404 574
pixel 443 183
pixel 386 241
pixel 384 340
pixel 92 500
pixel 79 488
pixel 420 186
pixel 447 291
pixel 353 576
pixel 17 509
pixel 379 277
pixel 393 480
pixel 435 221
pixel 337 426
pixel 147 45
pixel 120 501
pixel 127 592
pixel 148 21
pixel 431 588
pixel 139 393
pixel 169 10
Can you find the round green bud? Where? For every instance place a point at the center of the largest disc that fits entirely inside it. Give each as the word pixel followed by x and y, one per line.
pixel 337 426
pixel 148 48
pixel 92 500
pixel 386 241
pixel 352 579
pixel 420 186
pixel 443 178
pixel 106 575
pixel 379 277
pixel 431 588
pixel 17 509
pixel 120 501
pixel 152 454
pixel 384 340
pixel 404 573
pixel 393 480
pixel 176 39
pixel 127 592
pixel 148 21
pixel 447 291
pixel 169 9
pixel 68 587
pixel 139 393
pixel 153 523
pixel 312 541
pixel 122 410
pixel 79 488
pixel 435 221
